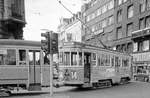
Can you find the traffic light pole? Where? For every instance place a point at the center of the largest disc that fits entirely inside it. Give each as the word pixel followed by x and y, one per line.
pixel 51 73
pixel 50 45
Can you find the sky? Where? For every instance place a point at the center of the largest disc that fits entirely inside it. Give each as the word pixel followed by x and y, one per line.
pixel 46 14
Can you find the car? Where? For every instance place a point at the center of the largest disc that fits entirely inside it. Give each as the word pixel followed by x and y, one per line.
pixel 142 77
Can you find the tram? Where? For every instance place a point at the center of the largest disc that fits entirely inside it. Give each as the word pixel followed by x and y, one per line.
pixel 85 65
pixel 22 65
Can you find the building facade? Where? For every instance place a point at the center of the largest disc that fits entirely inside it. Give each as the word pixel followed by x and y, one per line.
pixel 70 29
pixel 12 19
pixel 98 16
pixel 126 17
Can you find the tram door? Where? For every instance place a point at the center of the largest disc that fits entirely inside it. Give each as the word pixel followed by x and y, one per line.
pixel 34 70
pixel 87 67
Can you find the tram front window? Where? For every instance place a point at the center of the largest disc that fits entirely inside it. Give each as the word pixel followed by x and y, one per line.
pixel 8 58
pixel 74 58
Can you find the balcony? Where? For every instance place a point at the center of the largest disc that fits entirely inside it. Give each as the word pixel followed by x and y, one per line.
pixel 141 33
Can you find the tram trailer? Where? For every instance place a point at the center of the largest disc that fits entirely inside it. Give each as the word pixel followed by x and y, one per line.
pixel 22 66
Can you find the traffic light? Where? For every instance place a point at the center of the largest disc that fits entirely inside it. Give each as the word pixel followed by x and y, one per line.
pixel 50 44
pixel 45 44
pixel 53 43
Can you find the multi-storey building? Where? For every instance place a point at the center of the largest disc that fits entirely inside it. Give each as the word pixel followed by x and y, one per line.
pixel 70 29
pixel 12 19
pixel 129 16
pixel 98 16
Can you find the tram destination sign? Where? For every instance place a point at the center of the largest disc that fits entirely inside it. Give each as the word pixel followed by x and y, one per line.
pixel 2 51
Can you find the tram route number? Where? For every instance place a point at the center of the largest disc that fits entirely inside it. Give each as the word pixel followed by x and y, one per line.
pixel 73 74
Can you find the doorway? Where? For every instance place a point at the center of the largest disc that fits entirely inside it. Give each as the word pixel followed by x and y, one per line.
pixel 87 67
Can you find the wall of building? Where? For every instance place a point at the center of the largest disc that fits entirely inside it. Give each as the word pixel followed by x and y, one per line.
pixel 70 29
pixel 12 18
pixel 96 18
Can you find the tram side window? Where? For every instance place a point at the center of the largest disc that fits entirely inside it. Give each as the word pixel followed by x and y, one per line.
pixel 9 58
pixel 93 59
pixel 80 58
pixel 107 60
pixel 34 57
pixel 112 61
pixel 60 57
pixel 31 61
pixel 99 60
pixel 74 58
pixel 117 62
pixel 102 60
pixel 37 58
pixel 66 58
pixel 22 57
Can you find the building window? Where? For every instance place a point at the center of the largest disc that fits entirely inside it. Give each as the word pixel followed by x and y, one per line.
pixel 93 28
pixel 148 5
pixel 125 0
pixel 145 45
pixel 130 11
pixel 110 20
pixel 148 21
pixel 110 36
pixel 111 4
pixel 119 32
pixel 142 24
pixel 104 23
pixel 140 45
pixel 99 11
pixel 119 15
pixel 142 5
pixel 129 47
pixel 135 47
pixel 129 29
pixel 104 9
pixel 120 2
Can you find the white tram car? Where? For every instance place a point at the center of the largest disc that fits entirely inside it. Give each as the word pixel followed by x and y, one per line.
pixel 86 65
pixel 22 65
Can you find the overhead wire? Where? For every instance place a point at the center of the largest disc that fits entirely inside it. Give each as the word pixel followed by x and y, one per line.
pixel 82 23
pixel 88 26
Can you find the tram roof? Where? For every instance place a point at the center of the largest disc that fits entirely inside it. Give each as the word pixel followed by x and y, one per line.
pixel 86 45
pixel 20 42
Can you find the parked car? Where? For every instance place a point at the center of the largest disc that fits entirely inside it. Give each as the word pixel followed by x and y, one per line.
pixel 142 77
